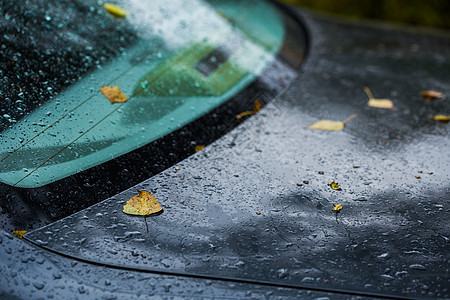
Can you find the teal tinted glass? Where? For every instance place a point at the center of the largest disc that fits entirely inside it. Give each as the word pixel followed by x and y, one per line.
pixel 183 63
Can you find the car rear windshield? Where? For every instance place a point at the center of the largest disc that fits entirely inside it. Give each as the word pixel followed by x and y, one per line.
pixel 174 61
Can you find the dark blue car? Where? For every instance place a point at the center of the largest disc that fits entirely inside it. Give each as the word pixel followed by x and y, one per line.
pixel 221 98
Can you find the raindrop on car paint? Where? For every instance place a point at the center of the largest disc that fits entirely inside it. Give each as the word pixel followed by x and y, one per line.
pixel 417 267
pixel 281 273
pixel 38 285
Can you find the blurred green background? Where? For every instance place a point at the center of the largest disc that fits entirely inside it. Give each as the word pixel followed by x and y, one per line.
pixel 434 13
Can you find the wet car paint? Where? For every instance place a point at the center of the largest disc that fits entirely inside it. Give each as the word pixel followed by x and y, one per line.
pixel 32 273
pixel 234 210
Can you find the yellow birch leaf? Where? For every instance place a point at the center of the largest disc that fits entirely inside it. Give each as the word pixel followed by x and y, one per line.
pixel 337 207
pixel 327 125
pixel 381 103
pixel 335 186
pixel 19 233
pixel 115 11
pixel 143 205
pixel 378 103
pixel 330 125
pixel 441 118
pixel 199 148
pixel 430 95
pixel 113 93
pixel 256 109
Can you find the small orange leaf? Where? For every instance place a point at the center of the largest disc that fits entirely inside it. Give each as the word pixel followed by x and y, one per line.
pixel 115 10
pixel 441 118
pixel 378 103
pixel 430 95
pixel 143 205
pixel 256 109
pixel 19 233
pixel 337 207
pixel 330 125
pixel 199 148
pixel 257 106
pixel 113 93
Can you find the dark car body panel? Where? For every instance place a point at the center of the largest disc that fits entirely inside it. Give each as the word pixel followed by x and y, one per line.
pixel 234 210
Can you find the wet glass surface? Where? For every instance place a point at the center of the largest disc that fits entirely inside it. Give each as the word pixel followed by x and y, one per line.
pixel 174 65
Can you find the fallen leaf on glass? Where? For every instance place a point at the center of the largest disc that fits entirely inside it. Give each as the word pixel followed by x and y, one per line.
pixel 335 186
pixel 113 93
pixel 337 207
pixel 256 109
pixel 431 95
pixel 378 103
pixel 199 148
pixel 19 233
pixel 330 125
pixel 142 205
pixel 115 10
pixel 441 118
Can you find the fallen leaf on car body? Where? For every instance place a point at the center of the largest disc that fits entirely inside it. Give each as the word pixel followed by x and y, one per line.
pixel 335 186
pixel 199 148
pixel 330 125
pixel 431 95
pixel 113 93
pixel 19 233
pixel 337 207
pixel 115 10
pixel 441 118
pixel 142 205
pixel 256 109
pixel 378 103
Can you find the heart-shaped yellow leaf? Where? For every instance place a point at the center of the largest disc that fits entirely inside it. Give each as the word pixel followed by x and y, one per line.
pixel 378 103
pixel 143 205
pixel 113 93
pixel 330 125
pixel 115 10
